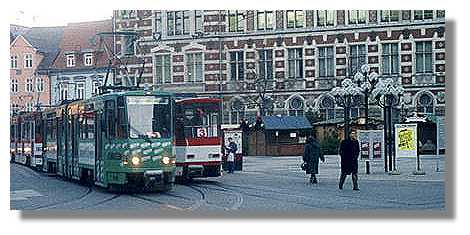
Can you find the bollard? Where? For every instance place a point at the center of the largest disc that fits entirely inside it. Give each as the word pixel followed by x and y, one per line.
pixel 367 167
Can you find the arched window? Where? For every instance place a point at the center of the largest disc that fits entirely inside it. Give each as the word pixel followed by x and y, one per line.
pixel 296 107
pixel 237 112
pixel 327 108
pixel 425 104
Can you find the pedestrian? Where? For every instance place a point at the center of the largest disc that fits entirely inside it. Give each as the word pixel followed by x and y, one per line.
pixel 312 152
pixel 349 152
pixel 231 151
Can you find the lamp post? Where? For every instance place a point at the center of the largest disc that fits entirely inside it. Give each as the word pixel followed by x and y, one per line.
pixel 367 81
pixel 345 96
pixel 388 94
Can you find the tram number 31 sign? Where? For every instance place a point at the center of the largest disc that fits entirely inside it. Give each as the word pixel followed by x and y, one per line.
pixel 201 132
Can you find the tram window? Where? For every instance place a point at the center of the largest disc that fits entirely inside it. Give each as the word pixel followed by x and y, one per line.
pixel 12 132
pixel 110 118
pixel 38 127
pixel 91 126
pixel 83 126
pixel 121 118
pixel 149 117
pixel 48 129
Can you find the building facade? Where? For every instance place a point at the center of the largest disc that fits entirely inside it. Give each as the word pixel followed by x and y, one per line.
pixel 81 65
pixel 31 54
pixel 293 57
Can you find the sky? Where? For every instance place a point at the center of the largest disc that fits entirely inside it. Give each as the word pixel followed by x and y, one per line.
pixel 41 18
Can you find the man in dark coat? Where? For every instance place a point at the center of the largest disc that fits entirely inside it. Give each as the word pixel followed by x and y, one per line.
pixel 312 153
pixel 349 152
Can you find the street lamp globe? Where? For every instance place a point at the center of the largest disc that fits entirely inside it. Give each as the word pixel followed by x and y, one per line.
pixel 365 68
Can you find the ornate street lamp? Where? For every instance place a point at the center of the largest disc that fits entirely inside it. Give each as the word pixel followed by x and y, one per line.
pixel 367 81
pixel 388 94
pixel 346 96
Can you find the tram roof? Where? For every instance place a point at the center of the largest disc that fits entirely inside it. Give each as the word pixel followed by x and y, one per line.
pixel 199 100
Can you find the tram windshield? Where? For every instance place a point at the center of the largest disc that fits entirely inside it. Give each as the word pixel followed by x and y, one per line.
pixel 149 117
pixel 198 120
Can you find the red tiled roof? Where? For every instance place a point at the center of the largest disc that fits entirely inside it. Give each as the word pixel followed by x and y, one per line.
pixel 77 38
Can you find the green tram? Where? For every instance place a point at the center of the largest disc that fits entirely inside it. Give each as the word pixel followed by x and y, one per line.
pixel 121 141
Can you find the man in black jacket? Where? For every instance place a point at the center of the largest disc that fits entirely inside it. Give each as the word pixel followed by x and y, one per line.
pixel 349 152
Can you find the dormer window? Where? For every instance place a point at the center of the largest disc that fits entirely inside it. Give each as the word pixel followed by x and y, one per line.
pixel 70 60
pixel 88 59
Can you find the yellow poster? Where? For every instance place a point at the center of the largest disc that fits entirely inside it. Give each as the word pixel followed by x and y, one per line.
pixel 406 139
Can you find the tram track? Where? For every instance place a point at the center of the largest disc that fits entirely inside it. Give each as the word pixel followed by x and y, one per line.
pixel 238 195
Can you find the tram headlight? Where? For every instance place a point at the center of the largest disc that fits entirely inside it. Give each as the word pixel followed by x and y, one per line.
pixel 135 160
pixel 166 160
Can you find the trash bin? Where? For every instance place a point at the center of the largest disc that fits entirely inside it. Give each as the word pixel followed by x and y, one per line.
pixel 238 162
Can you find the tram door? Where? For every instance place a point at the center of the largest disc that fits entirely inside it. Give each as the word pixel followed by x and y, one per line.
pixel 61 144
pixel 99 174
pixel 74 135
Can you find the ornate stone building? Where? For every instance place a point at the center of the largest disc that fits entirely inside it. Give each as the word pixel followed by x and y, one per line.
pixel 298 55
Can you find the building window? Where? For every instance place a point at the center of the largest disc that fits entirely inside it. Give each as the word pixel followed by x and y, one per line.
pixel 14 85
pixel 29 85
pixel 96 87
pixel 178 23
pixel 14 109
pixel 163 69
pixel 29 107
pixel 358 56
pixel 28 61
pixel 389 16
pixel 423 14
pixel 357 16
pixel 237 113
pixel 198 21
pixel 158 22
pixel 326 61
pixel 235 21
pixel 265 20
pixel 186 22
pixel 295 19
pixel 295 60
pixel 356 109
pixel 70 60
pixel 390 60
pixel 425 104
pixel 265 64
pixel 127 45
pixel 194 67
pixel 40 84
pixel 63 91
pixel 80 90
pixel 237 70
pixel 14 62
pixel 127 14
pixel 424 57
pixel 296 107
pixel 170 21
pixel 327 108
pixel 441 14
pixel 88 59
pixel 325 18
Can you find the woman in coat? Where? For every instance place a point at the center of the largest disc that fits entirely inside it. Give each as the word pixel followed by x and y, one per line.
pixel 312 153
pixel 349 152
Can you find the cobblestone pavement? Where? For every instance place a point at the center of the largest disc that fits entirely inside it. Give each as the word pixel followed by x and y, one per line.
pixel 266 184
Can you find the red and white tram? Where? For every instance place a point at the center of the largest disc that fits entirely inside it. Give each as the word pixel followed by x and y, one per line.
pixel 26 139
pixel 198 138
